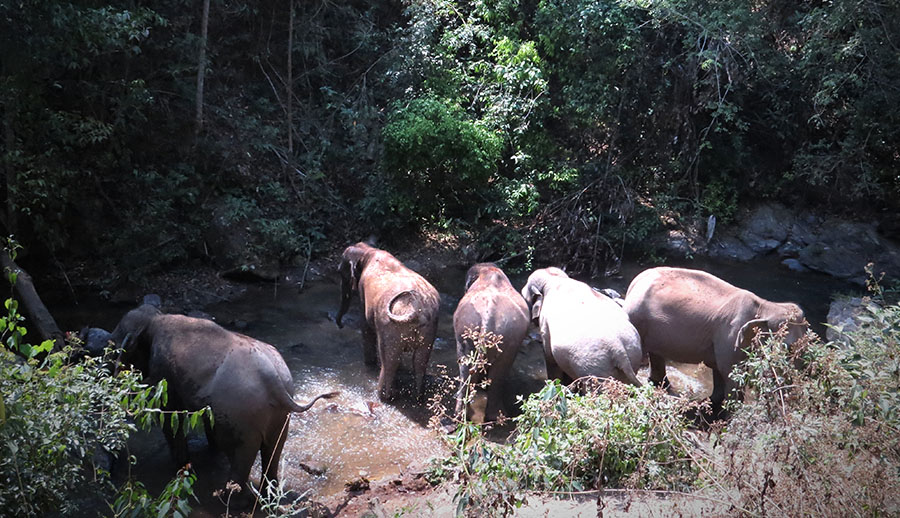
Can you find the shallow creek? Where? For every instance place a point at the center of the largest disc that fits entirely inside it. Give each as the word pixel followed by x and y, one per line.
pixel 353 434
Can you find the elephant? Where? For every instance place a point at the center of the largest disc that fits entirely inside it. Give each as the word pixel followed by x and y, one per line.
pixel 94 340
pixel 490 304
pixel 400 309
pixel 244 381
pixel 585 333
pixel 691 316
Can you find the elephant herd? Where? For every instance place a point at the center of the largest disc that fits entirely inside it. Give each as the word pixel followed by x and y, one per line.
pixel 667 313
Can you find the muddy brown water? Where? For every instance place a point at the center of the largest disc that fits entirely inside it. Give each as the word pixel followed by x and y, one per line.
pixel 353 434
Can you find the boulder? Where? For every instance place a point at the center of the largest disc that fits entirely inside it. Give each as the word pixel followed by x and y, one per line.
pixel 766 228
pixel 844 316
pixel 730 248
pixel 794 265
pixel 233 248
pixel 843 249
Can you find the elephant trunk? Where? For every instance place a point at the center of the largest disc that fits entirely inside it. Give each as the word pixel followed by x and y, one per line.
pixel 346 293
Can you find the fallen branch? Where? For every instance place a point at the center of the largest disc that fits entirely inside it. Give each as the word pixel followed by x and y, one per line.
pixel 36 314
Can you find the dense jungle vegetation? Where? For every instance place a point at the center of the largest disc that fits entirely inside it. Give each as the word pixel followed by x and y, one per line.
pixel 555 128
pixel 558 130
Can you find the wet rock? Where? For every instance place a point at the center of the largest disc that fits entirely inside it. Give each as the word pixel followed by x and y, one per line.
pixel 678 242
pixel 315 469
pixel 95 340
pixel 240 325
pixel 196 313
pixel 843 249
pixel 375 510
pixel 730 248
pixel 794 265
pixel 152 299
pixel 844 316
pixel 360 483
pixel 766 228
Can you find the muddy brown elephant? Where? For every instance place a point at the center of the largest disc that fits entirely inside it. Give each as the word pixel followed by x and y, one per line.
pixel 490 304
pixel 245 383
pixel 585 333
pixel 400 311
pixel 691 316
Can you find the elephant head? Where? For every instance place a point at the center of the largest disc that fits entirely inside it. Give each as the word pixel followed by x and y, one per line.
pixel 772 317
pixel 488 272
pixel 352 263
pixel 130 335
pixel 533 291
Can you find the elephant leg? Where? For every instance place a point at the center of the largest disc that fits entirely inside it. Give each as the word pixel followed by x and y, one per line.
pixel 177 442
pixel 242 458
pixel 390 362
pixel 270 451
pixel 420 363
pixel 721 387
pixel 370 340
pixel 658 371
pixel 210 435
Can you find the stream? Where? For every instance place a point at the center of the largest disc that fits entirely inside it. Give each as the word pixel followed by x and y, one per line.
pixel 353 435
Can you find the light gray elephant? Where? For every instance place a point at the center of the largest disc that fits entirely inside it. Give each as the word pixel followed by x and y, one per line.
pixel 245 383
pixel 585 333
pixel 490 304
pixel 400 308
pixel 691 316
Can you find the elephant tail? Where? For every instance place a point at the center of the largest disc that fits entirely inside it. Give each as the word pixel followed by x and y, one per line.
pixel 296 407
pixel 627 370
pixel 404 306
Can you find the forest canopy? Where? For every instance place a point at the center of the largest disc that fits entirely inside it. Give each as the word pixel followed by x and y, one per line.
pixel 127 127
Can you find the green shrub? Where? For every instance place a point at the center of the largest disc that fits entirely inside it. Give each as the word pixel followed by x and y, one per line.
pixel 437 159
pixel 617 436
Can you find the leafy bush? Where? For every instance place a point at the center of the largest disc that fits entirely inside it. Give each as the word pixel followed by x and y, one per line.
pixel 821 436
pixel 437 159
pixel 611 436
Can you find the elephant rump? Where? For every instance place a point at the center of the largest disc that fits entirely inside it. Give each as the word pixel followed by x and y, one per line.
pixel 404 306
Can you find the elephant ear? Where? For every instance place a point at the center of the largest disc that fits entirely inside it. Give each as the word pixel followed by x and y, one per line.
pixel 536 301
pixel 749 331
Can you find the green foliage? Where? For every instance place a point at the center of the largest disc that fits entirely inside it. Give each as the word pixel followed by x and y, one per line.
pixel 57 417
pixel 133 500
pixel 617 436
pixel 437 159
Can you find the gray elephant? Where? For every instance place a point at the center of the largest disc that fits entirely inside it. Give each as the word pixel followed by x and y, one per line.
pixel 490 304
pixel 245 383
pixel 400 309
pixel 585 333
pixel 691 316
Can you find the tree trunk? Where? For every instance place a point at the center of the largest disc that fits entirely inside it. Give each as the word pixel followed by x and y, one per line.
pixel 9 142
pixel 201 68
pixel 37 317
pixel 289 83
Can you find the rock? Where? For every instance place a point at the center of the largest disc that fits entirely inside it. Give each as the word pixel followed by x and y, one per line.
pixel 95 340
pixel 152 299
pixel 730 248
pixel 794 265
pixel 843 317
pixel 376 510
pixel 766 228
pixel 232 247
pixel 679 243
pixel 196 313
pixel 843 249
